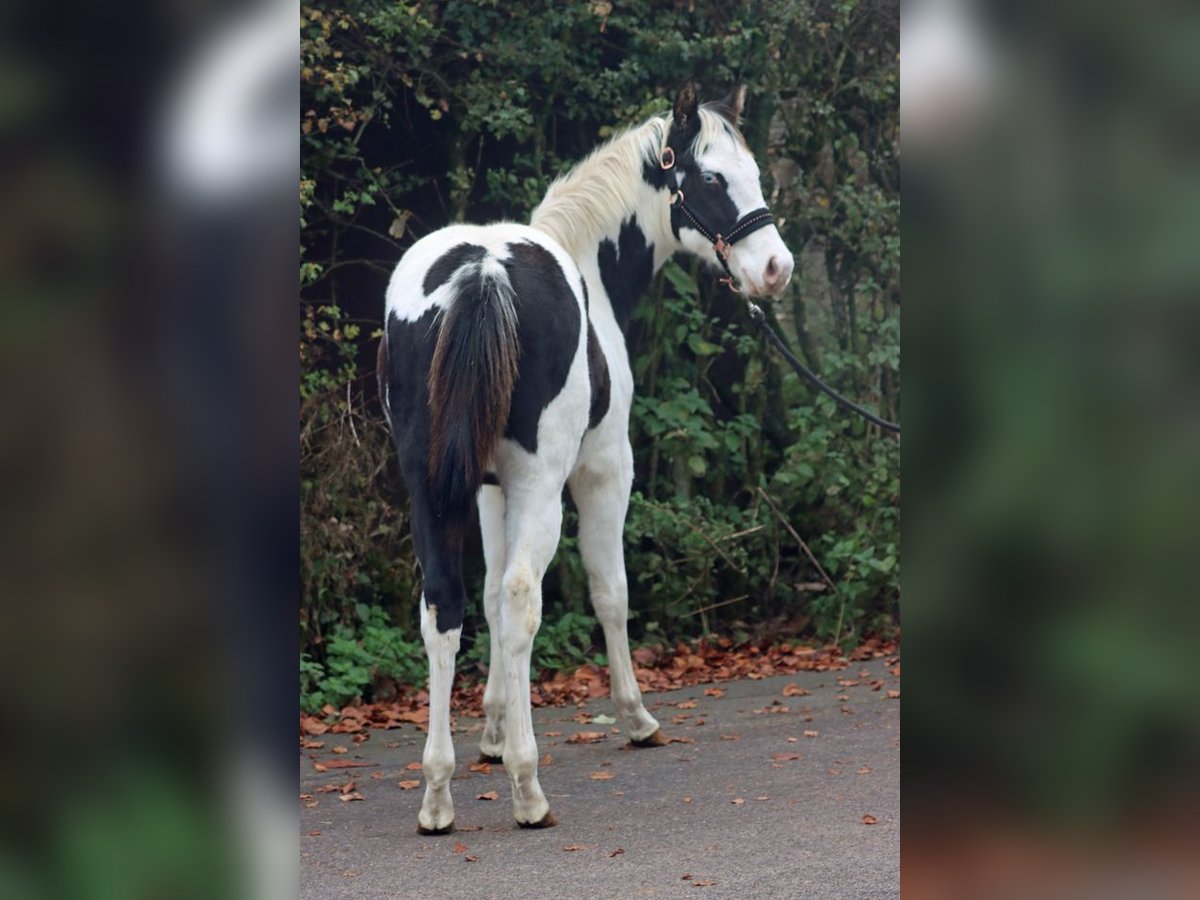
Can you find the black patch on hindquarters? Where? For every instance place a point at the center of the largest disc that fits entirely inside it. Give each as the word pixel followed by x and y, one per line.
pixel 625 269
pixel 450 262
pixel 598 379
pixel 549 327
pixel 437 539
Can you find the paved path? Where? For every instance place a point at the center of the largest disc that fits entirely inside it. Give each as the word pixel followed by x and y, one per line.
pixel 720 817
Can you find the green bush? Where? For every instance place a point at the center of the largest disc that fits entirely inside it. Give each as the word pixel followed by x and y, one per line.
pixel 419 114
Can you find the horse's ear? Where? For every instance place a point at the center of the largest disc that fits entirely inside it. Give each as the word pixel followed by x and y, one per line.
pixel 686 106
pixel 733 103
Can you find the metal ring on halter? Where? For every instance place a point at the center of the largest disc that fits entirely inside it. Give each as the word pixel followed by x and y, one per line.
pixel 663 161
pixel 677 198
pixel 722 247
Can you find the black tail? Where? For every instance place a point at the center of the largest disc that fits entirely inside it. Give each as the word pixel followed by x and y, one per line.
pixel 471 381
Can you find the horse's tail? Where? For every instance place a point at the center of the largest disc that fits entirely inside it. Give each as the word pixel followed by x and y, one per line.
pixel 471 381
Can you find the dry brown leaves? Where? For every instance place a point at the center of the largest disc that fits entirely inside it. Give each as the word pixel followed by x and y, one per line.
pixel 657 669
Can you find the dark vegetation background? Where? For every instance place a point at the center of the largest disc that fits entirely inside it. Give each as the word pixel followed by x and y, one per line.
pixel 418 115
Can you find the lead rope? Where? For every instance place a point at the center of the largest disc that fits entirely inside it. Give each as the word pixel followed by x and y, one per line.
pixel 760 319
pixel 721 245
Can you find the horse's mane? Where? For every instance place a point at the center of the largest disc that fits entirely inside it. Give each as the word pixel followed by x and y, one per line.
pixel 583 202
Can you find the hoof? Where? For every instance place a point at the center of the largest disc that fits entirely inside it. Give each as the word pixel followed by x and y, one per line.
pixel 546 821
pixel 657 739
pixel 488 758
pixel 421 829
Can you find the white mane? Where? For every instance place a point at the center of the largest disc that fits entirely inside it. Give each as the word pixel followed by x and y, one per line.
pixel 605 187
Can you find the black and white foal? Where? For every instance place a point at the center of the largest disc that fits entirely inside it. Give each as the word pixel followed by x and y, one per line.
pixel 505 375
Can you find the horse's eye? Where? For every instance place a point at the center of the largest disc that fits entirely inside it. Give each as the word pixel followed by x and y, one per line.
pixel 709 177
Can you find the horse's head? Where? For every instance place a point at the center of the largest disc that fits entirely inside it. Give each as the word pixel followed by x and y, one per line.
pixel 717 200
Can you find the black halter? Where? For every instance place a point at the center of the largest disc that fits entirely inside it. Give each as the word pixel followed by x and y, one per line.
pixel 722 240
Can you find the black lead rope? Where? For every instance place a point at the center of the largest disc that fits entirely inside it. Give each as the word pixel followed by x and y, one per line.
pixel 722 243
pixel 769 333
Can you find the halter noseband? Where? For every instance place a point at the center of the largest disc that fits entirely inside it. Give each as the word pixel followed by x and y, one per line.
pixel 722 241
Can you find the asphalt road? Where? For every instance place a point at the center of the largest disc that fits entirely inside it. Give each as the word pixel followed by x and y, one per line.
pixel 727 814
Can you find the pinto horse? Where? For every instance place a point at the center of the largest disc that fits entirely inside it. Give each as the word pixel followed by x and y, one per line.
pixel 504 376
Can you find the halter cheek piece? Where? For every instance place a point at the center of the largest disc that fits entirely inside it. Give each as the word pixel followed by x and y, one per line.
pixel 722 241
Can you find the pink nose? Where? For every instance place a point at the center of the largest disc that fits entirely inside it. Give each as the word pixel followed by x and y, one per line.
pixel 777 273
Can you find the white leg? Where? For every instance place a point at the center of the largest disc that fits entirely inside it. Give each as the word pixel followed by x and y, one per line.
pixel 601 493
pixel 491 526
pixel 534 523
pixel 437 810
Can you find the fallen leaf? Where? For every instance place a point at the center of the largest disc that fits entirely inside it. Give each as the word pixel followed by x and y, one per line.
pixel 587 737
pixel 312 725
pixel 811 734
pixel 616 852
pixel 460 847
pixel 348 786
pixel 762 798
pixel 469 827
pixel 603 720
pixel 353 795
pixel 687 799
pixel 893 695
pixel 470 859
pixel 306 796
pixel 341 750
pixel 869 820
pixel 311 833
pixel 546 760
pixel 842 698
pixel 344 764
pixel 378 776
pixel 409 785
pixel 794 690
pixel 865 770
pixel 601 776
pixel 686 704
pixel 714 692
pixel 783 757
pixel 361 738
pixel 552 733
pixel 327 789
pixel 311 804
pixel 311 745
pixel 571 848
pixel 413 767
pixel 320 768
pixel 490 795
pixel 484 768
pixel 731 737
pixel 847 682
pixel 738 801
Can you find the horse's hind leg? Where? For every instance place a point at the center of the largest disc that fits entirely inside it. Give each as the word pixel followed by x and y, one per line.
pixel 439 545
pixel 491 527
pixel 533 524
pixel 600 488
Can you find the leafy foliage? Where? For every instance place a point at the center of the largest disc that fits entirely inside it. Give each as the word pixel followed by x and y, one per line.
pixel 419 114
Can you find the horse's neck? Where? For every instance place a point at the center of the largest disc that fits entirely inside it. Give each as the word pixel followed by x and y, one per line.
pixel 613 223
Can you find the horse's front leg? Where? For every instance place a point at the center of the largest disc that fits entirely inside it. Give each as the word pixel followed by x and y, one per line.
pixel 600 489
pixel 491 526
